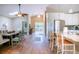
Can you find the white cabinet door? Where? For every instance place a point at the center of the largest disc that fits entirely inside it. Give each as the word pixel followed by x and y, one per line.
pixel 71 19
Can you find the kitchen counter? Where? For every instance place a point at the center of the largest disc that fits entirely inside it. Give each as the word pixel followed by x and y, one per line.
pixel 74 39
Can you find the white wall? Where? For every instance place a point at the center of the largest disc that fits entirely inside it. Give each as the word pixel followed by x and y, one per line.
pixel 12 24
pixel 6 21
pixel 17 22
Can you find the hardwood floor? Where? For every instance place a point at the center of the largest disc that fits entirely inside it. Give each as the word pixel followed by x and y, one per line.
pixel 28 45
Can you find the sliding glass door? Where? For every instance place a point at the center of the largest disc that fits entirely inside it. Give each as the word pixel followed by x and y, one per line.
pixel 39 31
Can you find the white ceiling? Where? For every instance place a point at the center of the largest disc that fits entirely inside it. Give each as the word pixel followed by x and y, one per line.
pixel 35 9
pixel 62 7
pixel 32 9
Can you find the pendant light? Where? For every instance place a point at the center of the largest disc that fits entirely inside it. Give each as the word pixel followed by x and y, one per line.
pixel 19 11
pixel 20 14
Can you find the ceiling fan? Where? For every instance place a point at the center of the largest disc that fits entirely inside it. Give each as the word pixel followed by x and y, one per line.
pixel 19 13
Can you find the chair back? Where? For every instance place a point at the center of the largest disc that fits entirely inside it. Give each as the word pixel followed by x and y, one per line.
pixel 64 45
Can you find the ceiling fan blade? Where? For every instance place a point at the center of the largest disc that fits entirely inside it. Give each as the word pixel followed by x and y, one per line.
pixel 21 14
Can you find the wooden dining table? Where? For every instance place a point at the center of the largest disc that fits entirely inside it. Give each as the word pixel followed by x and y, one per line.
pixel 10 36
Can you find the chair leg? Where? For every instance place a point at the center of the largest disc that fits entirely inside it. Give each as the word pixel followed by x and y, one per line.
pixel 9 43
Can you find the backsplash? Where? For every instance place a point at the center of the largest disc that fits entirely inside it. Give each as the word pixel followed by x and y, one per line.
pixel 73 27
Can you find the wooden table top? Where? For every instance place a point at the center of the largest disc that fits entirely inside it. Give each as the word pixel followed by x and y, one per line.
pixel 72 37
pixel 8 34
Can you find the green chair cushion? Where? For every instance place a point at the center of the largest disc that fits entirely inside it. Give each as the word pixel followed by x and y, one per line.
pixel 16 39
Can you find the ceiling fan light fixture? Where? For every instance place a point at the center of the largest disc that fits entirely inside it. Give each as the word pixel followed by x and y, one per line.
pixel 38 16
pixel 19 14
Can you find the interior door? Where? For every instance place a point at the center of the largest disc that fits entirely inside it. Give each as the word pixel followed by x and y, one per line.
pixel 24 27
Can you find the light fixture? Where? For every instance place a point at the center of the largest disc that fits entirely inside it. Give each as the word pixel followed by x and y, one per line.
pixel 70 11
pixel 38 16
pixel 18 13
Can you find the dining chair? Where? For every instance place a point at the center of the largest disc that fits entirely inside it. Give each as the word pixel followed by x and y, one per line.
pixel 17 39
pixel 68 47
pixel 64 46
pixel 2 40
pixel 51 41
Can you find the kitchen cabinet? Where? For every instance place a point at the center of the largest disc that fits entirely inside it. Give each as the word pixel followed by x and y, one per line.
pixel 70 19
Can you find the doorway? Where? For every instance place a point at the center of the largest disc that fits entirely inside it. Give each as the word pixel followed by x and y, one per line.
pixel 39 31
pixel 38 27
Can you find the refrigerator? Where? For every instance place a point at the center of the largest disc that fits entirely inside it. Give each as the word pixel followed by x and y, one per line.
pixel 58 28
